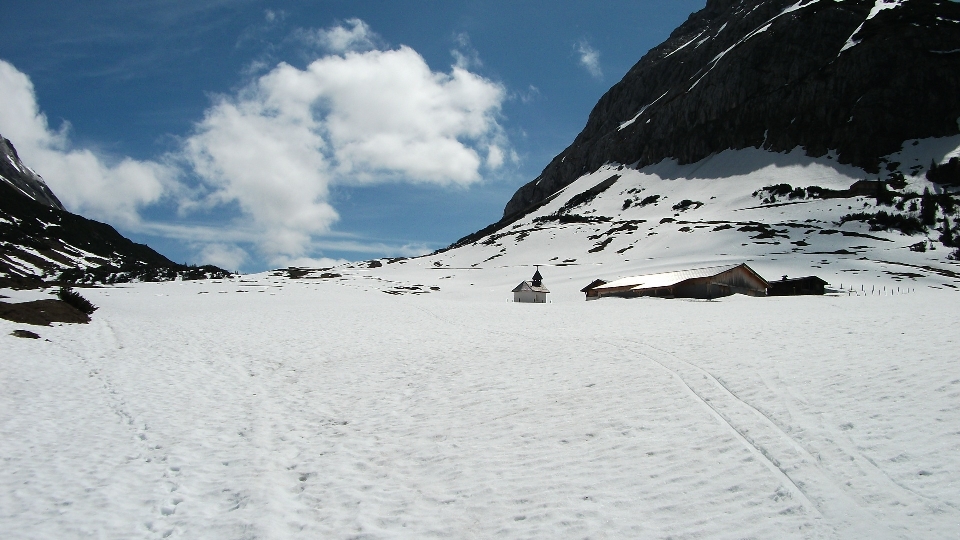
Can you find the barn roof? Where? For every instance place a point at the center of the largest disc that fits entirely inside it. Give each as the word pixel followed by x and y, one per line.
pixel 527 286
pixel 593 284
pixel 668 279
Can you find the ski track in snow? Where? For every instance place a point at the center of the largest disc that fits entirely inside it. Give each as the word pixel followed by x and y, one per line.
pixel 784 454
pixel 275 408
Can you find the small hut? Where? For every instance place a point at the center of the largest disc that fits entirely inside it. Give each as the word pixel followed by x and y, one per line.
pixel 797 286
pixel 531 292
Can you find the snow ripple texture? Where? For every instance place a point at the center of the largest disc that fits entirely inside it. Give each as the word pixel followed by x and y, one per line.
pixel 274 408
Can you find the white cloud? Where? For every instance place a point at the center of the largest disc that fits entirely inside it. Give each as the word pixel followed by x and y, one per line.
pixel 227 256
pixel 465 56
pixel 388 115
pixel 352 36
pixel 360 118
pixel 589 59
pixel 86 183
pixel 270 164
pixel 20 117
pixel 528 96
pixel 495 157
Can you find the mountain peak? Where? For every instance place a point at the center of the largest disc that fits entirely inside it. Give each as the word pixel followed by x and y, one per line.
pixel 22 178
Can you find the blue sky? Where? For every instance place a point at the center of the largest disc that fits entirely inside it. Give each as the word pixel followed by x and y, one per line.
pixel 255 134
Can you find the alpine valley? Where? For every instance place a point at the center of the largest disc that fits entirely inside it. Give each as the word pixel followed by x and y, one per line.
pixel 412 398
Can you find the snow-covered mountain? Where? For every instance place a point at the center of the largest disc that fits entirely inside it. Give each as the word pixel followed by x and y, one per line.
pixel 803 137
pixel 41 241
pixel 782 213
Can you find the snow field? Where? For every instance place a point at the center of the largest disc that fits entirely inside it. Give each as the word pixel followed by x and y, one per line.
pixel 327 409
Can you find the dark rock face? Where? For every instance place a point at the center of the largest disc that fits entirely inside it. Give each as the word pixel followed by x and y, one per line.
pixel 824 75
pixel 40 241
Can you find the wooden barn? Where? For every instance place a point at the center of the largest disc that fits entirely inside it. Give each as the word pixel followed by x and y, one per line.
pixel 797 286
pixel 531 292
pixel 706 283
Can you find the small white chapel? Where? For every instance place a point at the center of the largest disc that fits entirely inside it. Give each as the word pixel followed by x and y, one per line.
pixel 531 292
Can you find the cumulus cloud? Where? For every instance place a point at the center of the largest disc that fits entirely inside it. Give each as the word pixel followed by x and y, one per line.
pixel 589 59
pixel 353 119
pixel 388 115
pixel 271 164
pixel 228 256
pixel 94 185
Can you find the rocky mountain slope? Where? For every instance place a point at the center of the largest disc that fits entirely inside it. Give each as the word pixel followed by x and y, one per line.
pixel 23 179
pixel 40 241
pixel 781 213
pixel 851 78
